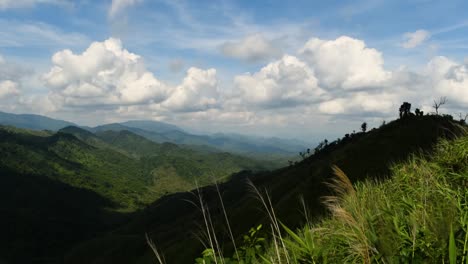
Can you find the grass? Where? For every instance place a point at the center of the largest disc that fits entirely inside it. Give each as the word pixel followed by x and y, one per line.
pixel 418 215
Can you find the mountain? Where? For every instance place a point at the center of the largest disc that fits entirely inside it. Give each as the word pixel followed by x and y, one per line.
pixel 273 149
pixel 172 219
pixel 240 144
pixel 35 122
pixel 60 188
pixel 152 126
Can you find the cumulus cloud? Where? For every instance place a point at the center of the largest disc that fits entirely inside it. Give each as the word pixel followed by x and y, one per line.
pixel 198 91
pixel 118 6
pixel 104 74
pixel 252 48
pixel 286 82
pixel 449 79
pixel 414 39
pixel 325 80
pixel 345 63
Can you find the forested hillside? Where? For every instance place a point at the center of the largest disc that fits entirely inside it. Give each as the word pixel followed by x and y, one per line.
pixel 59 188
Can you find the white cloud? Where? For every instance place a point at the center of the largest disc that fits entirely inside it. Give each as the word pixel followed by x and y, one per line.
pixel 10 79
pixel 104 74
pixel 345 63
pixel 449 79
pixel 252 48
pixel 8 88
pixel 362 102
pixel 118 6
pixel 198 92
pixel 283 83
pixel 414 39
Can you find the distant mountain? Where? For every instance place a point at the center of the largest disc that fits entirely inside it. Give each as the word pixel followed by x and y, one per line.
pixel 35 122
pixel 276 149
pixel 240 144
pixel 152 126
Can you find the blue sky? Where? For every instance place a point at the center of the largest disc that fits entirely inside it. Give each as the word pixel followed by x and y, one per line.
pixel 304 69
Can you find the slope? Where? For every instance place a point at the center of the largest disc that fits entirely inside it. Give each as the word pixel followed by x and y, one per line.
pixel 417 216
pixel 171 220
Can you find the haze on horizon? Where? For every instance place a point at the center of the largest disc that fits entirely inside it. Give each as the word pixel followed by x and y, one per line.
pixel 306 69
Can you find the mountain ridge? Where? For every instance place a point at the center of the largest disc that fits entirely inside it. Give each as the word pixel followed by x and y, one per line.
pixel 159 132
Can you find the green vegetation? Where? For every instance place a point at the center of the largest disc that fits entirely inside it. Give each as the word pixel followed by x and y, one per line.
pixel 174 223
pixel 60 188
pixel 128 169
pixel 419 215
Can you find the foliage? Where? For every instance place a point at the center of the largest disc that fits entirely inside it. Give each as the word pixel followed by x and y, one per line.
pixel 121 166
pixel 249 253
pixel 405 109
pixel 364 127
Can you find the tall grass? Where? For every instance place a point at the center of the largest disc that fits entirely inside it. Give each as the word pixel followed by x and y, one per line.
pixel 419 215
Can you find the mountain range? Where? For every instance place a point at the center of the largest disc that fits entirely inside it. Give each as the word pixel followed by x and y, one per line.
pixel 90 195
pixel 160 132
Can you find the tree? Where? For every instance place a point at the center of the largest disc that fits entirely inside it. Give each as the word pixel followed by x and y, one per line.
pixel 364 127
pixel 302 154
pixel 418 112
pixel 463 119
pixel 438 104
pixel 405 109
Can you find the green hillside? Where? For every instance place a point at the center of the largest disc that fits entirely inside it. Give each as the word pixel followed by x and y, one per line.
pixel 64 187
pixel 172 221
pixel 420 215
pixel 121 166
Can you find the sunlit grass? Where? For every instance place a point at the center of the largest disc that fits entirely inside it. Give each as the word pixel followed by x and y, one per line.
pixel 419 215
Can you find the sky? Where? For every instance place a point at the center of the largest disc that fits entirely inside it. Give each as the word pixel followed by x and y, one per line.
pixel 297 69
